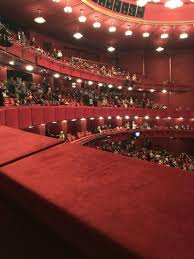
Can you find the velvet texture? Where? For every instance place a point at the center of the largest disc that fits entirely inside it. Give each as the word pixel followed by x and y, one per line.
pixel 107 205
pixel 15 144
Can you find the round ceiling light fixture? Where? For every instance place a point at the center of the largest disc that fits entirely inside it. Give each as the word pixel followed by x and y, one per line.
pixel 77 35
pixel 96 24
pixel 56 75
pixel 159 49
pixel 128 32
pixel 146 34
pixel 112 28
pixel 29 68
pixel 183 35
pixel 110 86
pixel 164 35
pixel 39 19
pixel 68 8
pixel 82 18
pixel 172 4
pixel 111 49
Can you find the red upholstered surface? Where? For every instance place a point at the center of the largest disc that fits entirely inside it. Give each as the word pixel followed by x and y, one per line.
pixel 15 144
pixel 108 205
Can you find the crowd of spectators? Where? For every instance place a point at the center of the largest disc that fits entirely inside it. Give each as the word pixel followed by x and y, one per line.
pixel 83 64
pixel 146 152
pixel 28 93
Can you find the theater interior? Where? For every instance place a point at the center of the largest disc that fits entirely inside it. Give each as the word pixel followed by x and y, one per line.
pixel 97 129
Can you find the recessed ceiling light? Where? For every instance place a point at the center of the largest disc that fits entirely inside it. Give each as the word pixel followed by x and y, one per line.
pixel 90 82
pixel 146 34
pixel 147 117
pixel 183 35
pixel 110 86
pixel 164 35
pixel 96 24
pixel 128 33
pixel 39 19
pixel 100 84
pixel 127 117
pixel 29 68
pixel 101 118
pixel 159 49
pixel 157 117
pixel 120 87
pixel 164 91
pixel 68 9
pixel 109 117
pixel 172 4
pixel 79 80
pixel 111 49
pixel 152 90
pixel 77 35
pixel 12 63
pixel 112 28
pixel 56 75
pixel 82 18
pixel 130 88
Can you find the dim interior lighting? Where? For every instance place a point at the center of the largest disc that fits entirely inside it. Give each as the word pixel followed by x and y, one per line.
pixel 101 118
pixel 147 117
pixel 164 35
pixel 111 49
pixel 110 86
pixel 82 119
pixel 29 68
pixel 152 90
pixel 82 18
pixel 136 117
pixel 128 32
pixel 68 8
pixel 164 91
pixel 12 63
pixel 172 4
pixel 90 82
pixel 157 117
pixel 109 117
pixel 141 3
pixel 77 35
pixel 126 117
pixel 100 84
pixel 79 80
pixel 159 49
pixel 130 88
pixel 96 24
pixel 112 28
pixel 120 87
pixel 183 35
pixel 39 19
pixel 169 118
pixel 56 75
pixel 146 34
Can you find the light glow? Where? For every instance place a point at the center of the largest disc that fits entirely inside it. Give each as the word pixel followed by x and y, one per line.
pixel 77 35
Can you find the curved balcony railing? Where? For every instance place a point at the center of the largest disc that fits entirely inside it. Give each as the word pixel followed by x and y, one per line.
pixel 25 116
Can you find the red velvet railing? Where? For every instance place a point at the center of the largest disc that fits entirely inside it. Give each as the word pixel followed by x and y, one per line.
pixel 31 55
pixel 118 135
pixel 25 116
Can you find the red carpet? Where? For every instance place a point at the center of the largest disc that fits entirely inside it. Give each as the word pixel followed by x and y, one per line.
pixel 15 144
pixel 107 205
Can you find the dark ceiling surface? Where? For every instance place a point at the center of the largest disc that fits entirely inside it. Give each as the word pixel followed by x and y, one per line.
pixel 62 26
